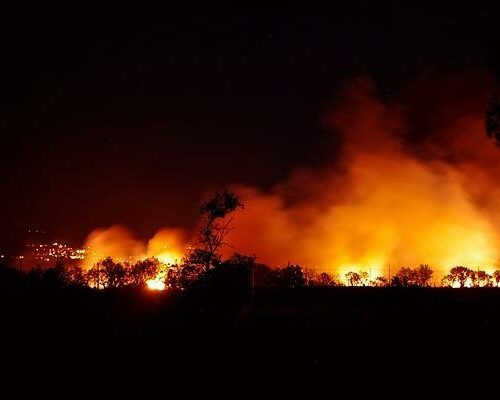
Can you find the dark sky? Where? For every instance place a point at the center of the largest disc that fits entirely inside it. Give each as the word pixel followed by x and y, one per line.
pixel 126 115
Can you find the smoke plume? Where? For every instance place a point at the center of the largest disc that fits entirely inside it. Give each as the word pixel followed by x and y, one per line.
pixel 416 183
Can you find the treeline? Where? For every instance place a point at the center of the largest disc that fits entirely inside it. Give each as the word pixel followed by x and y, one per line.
pixel 237 273
pixel 458 277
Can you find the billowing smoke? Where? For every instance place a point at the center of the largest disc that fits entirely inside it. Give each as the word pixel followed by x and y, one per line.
pixel 416 183
pixel 168 245
pixel 117 242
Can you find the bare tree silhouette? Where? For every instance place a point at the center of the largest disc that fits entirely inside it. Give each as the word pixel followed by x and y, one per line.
pixel 215 224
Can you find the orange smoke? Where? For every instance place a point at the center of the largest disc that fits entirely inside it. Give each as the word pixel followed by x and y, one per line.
pixel 168 246
pixel 117 242
pixel 416 183
pixel 404 193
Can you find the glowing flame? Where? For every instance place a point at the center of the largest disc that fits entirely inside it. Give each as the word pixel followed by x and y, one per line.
pixel 155 284
pixel 167 245
pixel 168 258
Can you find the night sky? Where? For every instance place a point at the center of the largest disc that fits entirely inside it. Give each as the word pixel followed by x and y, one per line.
pixel 125 115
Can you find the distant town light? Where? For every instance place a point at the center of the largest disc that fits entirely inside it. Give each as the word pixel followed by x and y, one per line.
pixel 55 252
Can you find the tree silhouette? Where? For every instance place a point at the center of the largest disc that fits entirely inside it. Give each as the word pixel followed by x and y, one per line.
pixel 215 224
pixel 264 276
pixel 75 276
pixel 423 275
pixel 326 279
pixel 107 274
pixel 192 268
pixel 142 271
pixel 461 276
pixel 310 277
pixel 200 258
pixel 353 278
pixel 407 277
pixel 484 279
pixel 291 276
pixel 404 277
pixel 184 275
pixel 379 281
pixel 52 278
pixel 234 275
pixel 496 277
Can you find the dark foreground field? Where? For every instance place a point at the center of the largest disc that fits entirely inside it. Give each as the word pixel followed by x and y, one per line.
pixel 311 328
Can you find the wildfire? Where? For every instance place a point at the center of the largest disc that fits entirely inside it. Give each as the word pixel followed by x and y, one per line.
pixel 167 246
pixel 387 200
pixel 399 193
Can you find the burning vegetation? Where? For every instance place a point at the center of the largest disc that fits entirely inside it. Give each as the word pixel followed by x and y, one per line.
pixel 202 264
pixel 409 199
pixel 415 183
